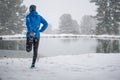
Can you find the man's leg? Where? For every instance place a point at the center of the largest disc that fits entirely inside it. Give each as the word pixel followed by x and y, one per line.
pixel 28 45
pixel 35 50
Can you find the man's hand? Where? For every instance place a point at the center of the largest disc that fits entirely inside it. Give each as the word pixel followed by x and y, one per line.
pixel 32 34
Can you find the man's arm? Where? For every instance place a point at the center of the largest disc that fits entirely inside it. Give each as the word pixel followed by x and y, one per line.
pixel 45 24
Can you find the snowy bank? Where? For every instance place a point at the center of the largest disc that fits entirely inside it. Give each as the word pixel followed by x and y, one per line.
pixel 74 36
pixel 70 67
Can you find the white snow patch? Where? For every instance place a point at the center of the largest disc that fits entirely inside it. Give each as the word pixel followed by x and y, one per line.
pixel 69 67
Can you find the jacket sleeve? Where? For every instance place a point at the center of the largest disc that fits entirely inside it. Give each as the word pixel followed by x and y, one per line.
pixel 28 24
pixel 45 24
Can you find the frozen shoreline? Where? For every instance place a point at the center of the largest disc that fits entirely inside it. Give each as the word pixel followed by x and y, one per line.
pixel 69 67
pixel 64 36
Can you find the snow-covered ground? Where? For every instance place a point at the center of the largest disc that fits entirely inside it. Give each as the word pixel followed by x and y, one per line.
pixel 70 67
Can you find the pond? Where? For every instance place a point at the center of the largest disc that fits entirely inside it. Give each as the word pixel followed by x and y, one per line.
pixel 60 46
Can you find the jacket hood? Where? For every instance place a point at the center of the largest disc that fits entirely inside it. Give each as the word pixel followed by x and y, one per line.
pixel 33 13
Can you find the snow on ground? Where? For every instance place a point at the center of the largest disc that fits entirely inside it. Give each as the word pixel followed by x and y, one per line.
pixel 69 67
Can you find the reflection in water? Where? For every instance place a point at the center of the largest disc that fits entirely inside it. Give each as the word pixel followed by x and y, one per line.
pixel 108 46
pixel 12 44
pixel 57 46
pixel 67 40
pixel 61 46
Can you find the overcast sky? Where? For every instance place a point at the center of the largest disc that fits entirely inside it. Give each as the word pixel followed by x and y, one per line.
pixel 51 10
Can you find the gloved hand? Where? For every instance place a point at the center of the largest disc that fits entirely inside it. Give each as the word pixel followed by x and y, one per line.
pixel 32 34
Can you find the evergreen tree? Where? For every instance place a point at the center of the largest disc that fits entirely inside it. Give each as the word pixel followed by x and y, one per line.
pixel 12 16
pixel 68 25
pixel 108 15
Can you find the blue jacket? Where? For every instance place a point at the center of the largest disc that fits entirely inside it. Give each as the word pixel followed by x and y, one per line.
pixel 33 22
